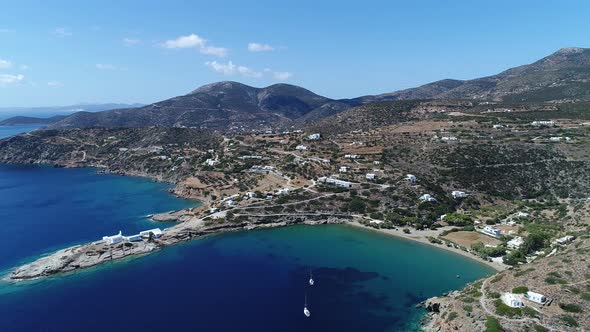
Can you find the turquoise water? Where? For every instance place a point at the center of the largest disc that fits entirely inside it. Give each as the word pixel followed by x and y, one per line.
pixel 243 281
pixel 6 131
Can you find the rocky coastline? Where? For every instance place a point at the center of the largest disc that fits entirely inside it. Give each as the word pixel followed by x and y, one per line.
pixel 96 253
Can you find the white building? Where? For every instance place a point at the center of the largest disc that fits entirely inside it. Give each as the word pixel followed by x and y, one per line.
pixel 543 123
pixel 213 210
pixel 156 233
pixel 211 162
pixel 251 194
pixel 515 243
pixel 113 239
pixel 522 214
pixel 335 182
pixel 343 169
pixel 301 148
pixel 512 300
pixel 133 238
pixel 449 139
pixel 564 240
pixel 458 194
pixel 370 176
pixel 535 297
pixel 376 162
pixel 427 198
pixel 284 191
pixel 314 137
pixel 491 231
pixel 352 156
pixel 498 126
pixel 411 178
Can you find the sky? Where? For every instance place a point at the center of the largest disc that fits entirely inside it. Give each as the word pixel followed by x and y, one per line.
pixel 67 52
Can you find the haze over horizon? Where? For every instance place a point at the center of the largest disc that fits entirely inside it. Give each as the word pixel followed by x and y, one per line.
pixel 141 54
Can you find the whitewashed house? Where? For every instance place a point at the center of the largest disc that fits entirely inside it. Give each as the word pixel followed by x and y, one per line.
pixel 251 194
pixel 113 239
pixel 515 243
pixel 564 240
pixel 133 238
pixel 376 162
pixel 522 214
pixel 459 194
pixel 213 210
pixel 211 162
pixel 314 137
pixel 535 297
pixel 411 178
pixel 301 148
pixel 491 231
pixel 157 233
pixel 449 139
pixel 284 191
pixel 343 169
pixel 370 176
pixel 352 156
pixel 543 123
pixel 512 300
pixel 427 198
pixel 335 182
pixel 498 126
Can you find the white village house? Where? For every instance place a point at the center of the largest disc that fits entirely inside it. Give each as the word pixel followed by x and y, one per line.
pixel 370 176
pixel 543 123
pixel 449 139
pixel 314 137
pixel 301 148
pixel 157 233
pixel 491 231
pixel 535 297
pixel 459 194
pixel 515 243
pixel 335 182
pixel 512 300
pixel 343 169
pixel 427 198
pixel 411 178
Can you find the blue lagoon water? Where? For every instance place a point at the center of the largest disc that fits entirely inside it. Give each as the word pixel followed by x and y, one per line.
pixel 243 281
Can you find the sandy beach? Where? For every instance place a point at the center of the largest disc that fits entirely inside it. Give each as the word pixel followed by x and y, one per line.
pixel 422 237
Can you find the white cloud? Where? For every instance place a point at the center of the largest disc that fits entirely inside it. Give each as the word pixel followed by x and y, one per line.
pixel 131 42
pixel 212 50
pixel 282 75
pixel 105 66
pixel 258 47
pixel 62 32
pixel 195 41
pixel 189 41
pixel 54 84
pixel 230 69
pixel 9 79
pixel 5 64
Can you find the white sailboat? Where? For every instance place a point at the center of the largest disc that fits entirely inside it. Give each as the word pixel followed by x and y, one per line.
pixel 306 311
pixel 310 278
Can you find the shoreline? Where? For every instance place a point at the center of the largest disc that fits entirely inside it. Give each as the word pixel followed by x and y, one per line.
pixel 422 239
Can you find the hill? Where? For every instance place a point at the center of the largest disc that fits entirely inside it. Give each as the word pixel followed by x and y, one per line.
pixel 221 105
pixel 561 76
pixel 30 120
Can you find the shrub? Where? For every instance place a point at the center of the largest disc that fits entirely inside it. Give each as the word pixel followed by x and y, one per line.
pixel 493 325
pixel 407 231
pixel 585 296
pixel 468 308
pixel 570 307
pixel 540 328
pixel 452 316
pixel 520 290
pixel 569 320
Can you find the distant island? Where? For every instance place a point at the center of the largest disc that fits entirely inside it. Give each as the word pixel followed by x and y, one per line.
pixel 30 120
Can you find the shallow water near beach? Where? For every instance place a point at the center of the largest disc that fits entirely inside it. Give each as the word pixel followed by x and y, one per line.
pixel 247 281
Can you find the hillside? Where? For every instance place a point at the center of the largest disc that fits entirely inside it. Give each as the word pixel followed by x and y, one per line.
pixel 222 105
pixel 561 76
pixel 30 120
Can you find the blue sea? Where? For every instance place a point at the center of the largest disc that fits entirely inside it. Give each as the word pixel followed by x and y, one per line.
pixel 6 131
pixel 243 281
